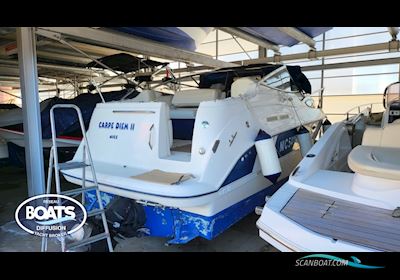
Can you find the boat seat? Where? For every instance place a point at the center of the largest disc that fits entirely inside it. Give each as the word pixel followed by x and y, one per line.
pixel 388 136
pixel 243 85
pixel 382 162
pixel 193 97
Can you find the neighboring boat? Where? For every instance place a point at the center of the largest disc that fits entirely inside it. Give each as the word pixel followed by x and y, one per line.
pixel 67 124
pixel 345 194
pixel 68 131
pixel 197 167
pixel 3 143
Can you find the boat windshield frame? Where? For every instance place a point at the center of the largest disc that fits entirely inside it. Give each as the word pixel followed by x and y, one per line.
pixel 386 95
pixel 281 69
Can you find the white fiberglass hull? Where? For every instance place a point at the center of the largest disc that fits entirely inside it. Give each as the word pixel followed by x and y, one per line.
pixel 351 220
pixel 205 203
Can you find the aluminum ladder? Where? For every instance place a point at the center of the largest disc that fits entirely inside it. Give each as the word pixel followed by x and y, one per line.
pixel 86 162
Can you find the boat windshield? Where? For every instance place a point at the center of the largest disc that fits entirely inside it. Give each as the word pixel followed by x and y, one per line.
pixel 280 79
pixel 392 93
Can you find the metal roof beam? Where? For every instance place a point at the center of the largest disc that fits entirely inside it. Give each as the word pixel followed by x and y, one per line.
pixel 89 49
pixel 134 44
pixel 9 78
pixel 9 70
pixel 393 32
pixel 333 52
pixel 69 69
pixel 62 57
pixel 374 62
pixel 298 35
pixel 251 38
pixel 324 53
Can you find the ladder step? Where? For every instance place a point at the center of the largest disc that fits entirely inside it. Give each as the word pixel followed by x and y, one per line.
pixel 78 190
pixel 87 241
pixel 90 213
pixel 95 212
pixel 72 165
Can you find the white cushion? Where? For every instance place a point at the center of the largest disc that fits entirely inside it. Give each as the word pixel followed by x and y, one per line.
pixel 372 136
pixel 243 85
pixel 389 136
pixel 382 162
pixel 193 97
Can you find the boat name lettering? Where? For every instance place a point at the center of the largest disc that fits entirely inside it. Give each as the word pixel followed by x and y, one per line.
pixel 286 144
pixel 117 125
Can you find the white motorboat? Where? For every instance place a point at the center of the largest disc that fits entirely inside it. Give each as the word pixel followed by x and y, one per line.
pixel 200 165
pixel 17 137
pixel 345 194
pixel 4 108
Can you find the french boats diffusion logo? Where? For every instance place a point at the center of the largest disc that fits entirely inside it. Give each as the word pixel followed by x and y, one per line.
pixel 50 215
pixel 319 260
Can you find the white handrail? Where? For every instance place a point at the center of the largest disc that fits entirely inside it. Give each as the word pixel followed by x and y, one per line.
pixel 359 107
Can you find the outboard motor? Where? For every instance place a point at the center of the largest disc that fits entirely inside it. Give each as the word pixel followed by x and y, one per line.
pixel 124 216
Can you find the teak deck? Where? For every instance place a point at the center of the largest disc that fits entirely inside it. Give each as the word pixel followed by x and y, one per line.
pixel 342 220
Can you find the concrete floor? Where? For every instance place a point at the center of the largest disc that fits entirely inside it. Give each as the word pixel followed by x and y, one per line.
pixel 242 237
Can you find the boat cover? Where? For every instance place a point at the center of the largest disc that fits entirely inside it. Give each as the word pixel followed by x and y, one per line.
pixel 67 123
pixel 125 62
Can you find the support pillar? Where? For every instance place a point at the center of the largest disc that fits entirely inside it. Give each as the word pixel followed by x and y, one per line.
pixel 26 41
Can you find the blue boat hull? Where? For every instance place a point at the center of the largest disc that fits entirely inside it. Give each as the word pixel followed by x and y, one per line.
pixel 182 226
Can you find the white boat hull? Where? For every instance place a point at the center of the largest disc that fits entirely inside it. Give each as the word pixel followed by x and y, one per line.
pixel 326 176
pixel 130 142
pixel 17 138
pixel 206 204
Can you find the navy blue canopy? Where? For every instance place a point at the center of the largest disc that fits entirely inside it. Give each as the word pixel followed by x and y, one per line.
pixel 172 36
pixel 125 62
pixel 274 35
pixel 67 123
pixel 225 76
pixel 176 37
